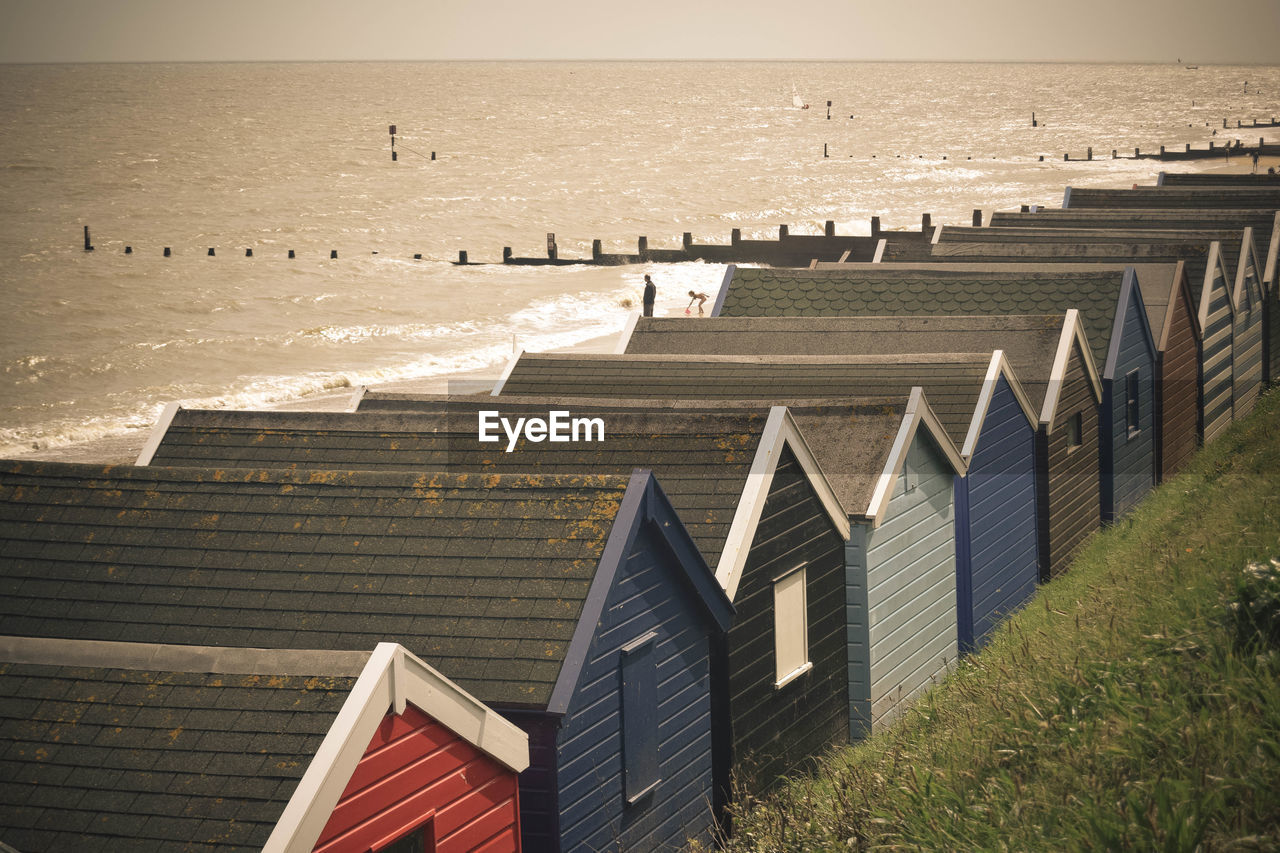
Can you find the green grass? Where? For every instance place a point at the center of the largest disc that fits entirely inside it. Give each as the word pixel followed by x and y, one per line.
pixel 1133 705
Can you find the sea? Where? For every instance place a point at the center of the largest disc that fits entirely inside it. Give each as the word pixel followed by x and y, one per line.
pixel 213 161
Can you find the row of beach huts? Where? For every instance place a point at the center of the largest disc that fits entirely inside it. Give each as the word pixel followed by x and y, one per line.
pixel 691 565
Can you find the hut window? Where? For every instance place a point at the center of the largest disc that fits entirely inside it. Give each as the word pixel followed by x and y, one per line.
pixel 790 626
pixel 1132 413
pixel 1075 431
pixel 639 717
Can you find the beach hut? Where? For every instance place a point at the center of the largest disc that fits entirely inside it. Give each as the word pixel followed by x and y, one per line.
pixel 1190 198
pixel 997 543
pixel 1266 229
pixel 124 745
pixel 576 606
pixel 742 479
pixel 1215 310
pixel 1110 309
pixel 1049 351
pixel 1216 179
pixel 1266 232
pixel 892 465
pixel 1241 264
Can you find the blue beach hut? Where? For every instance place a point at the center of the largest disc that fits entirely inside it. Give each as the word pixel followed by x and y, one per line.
pixel 997 539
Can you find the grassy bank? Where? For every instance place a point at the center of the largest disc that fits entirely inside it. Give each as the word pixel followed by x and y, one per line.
pixel 1133 705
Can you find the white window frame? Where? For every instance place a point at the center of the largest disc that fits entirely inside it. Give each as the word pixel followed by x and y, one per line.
pixel 791 615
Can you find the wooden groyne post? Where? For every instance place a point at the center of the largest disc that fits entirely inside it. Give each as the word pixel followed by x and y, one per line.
pixel 88 247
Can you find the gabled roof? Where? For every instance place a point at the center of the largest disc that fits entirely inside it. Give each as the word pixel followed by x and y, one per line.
pixel 1216 179
pixel 933 289
pixel 1029 342
pixel 187 746
pixel 486 576
pixel 1237 246
pixel 709 462
pixel 852 437
pixel 1204 198
pixel 952 381
pixel 1265 224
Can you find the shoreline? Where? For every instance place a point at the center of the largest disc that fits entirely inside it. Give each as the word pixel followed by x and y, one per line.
pixel 124 448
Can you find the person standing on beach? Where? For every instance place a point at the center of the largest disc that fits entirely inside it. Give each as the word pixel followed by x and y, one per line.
pixel 650 295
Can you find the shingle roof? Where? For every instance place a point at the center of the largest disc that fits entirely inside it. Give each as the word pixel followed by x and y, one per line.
pixel 701 459
pixel 852 438
pixel 483 576
pixel 1190 246
pixel 952 382
pixel 1029 341
pixel 1263 222
pixel 1205 198
pixel 99 758
pixel 932 289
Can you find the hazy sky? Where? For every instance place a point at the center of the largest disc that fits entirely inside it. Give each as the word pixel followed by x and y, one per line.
pixel 1208 31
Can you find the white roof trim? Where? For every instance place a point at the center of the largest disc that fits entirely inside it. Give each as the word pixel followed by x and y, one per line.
pixel 1215 264
pixel 506 373
pixel 917 413
pixel 809 463
pixel 780 430
pixel 879 255
pixel 1072 333
pixel 937 236
pixel 391 678
pixel 1269 272
pixel 998 367
pixel 625 338
pixel 353 405
pixel 737 544
pixel 157 434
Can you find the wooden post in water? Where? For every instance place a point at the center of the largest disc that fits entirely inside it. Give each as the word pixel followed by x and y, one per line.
pixel 552 251
pixel 333 254
pixel 128 250
pixel 211 251
pixel 462 257
pixel 925 222
pixel 830 230
pixel 291 254
pixel 735 236
pixel 597 249
pixel 875 226
pixel 1090 153
pixel 167 251
pixel 88 247
pixel 506 254
pixel 393 143
pixel 783 232
pixel 686 240
pixel 828 111
pixel 642 244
